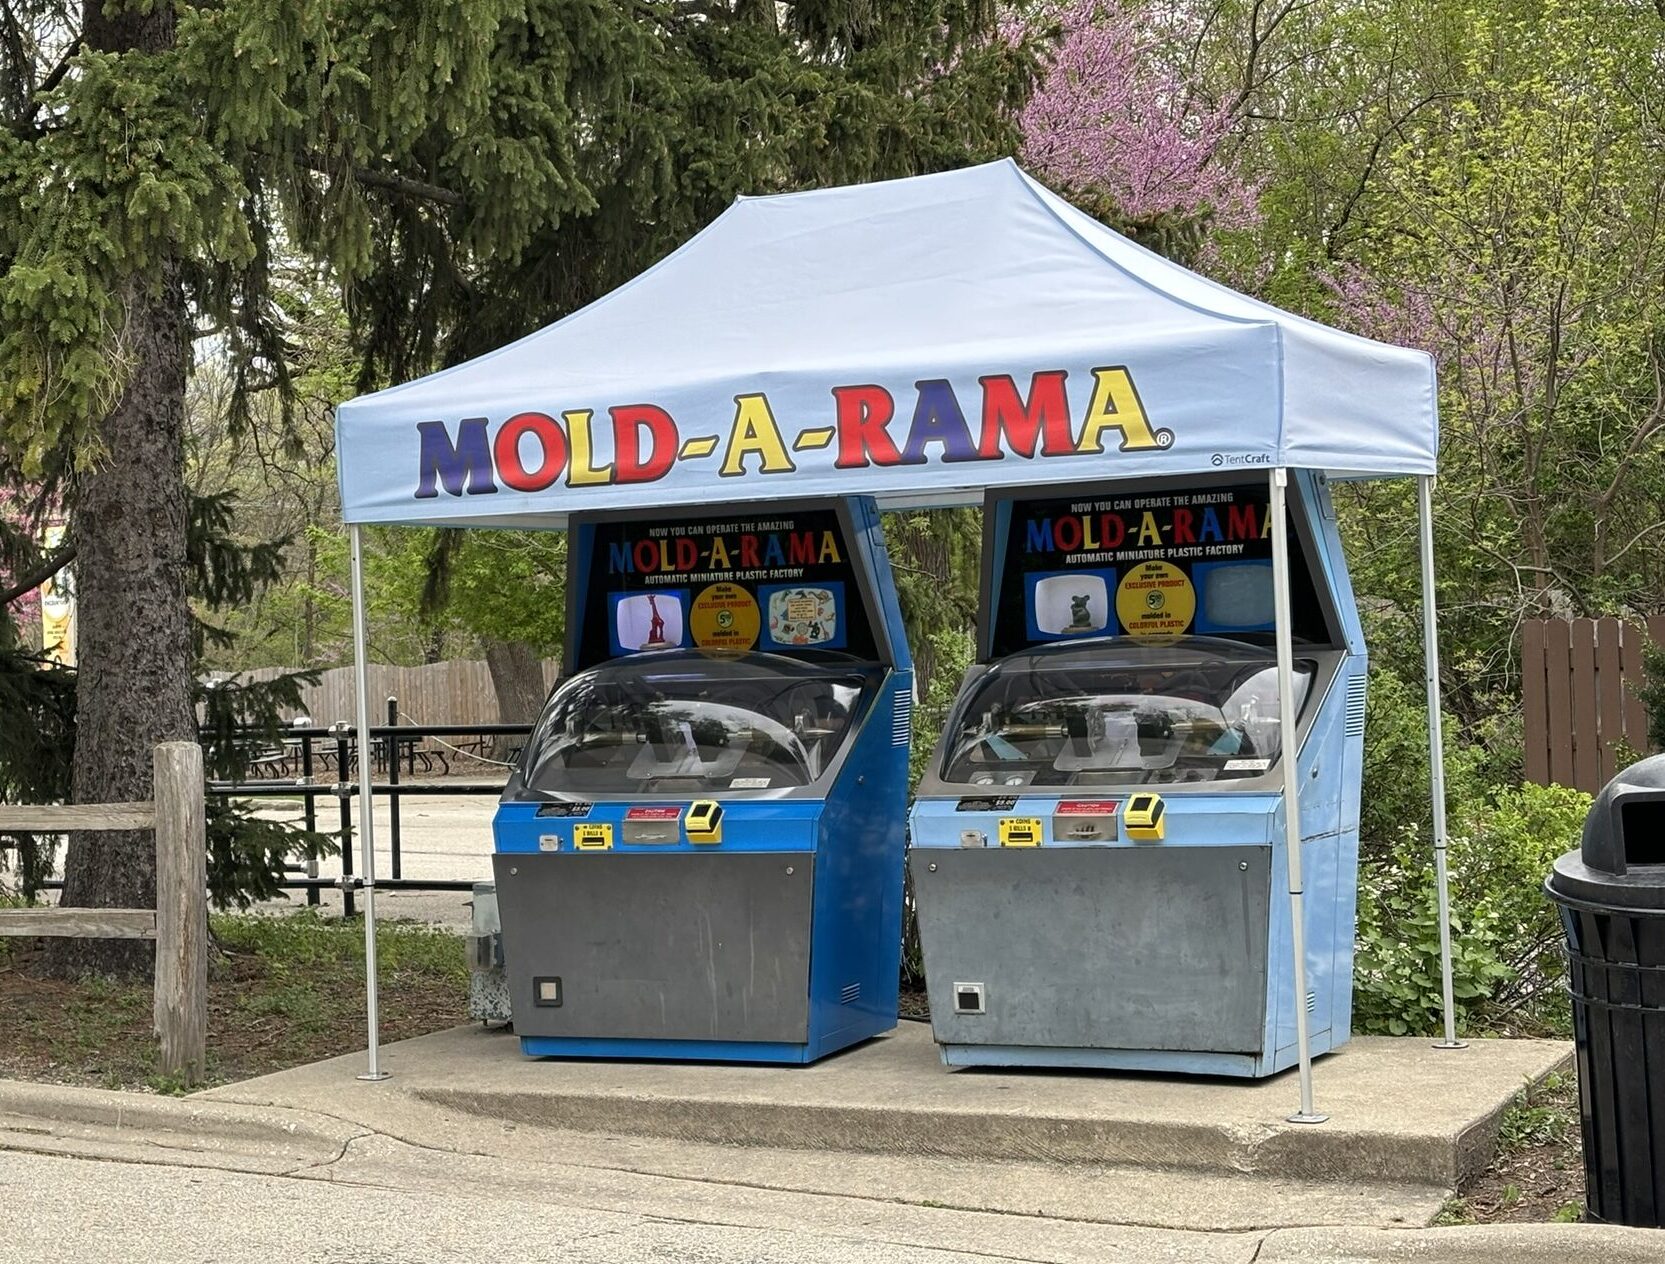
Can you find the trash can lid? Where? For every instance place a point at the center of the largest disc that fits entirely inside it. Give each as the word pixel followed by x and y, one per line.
pixel 1572 881
pixel 1621 861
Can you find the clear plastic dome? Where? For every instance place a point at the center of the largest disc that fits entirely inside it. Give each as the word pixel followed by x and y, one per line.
pixel 1116 711
pixel 687 721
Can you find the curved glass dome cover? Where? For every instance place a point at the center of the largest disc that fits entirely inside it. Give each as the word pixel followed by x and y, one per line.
pixel 1116 711
pixel 691 721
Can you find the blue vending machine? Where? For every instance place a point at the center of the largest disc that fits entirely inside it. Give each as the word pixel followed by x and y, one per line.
pixel 699 854
pixel 1098 846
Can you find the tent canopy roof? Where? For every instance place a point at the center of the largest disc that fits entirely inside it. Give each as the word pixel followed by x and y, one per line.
pixel 916 340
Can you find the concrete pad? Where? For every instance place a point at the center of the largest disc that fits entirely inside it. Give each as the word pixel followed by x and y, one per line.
pixel 1401 1112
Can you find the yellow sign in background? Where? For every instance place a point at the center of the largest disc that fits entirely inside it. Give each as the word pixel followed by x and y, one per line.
pixel 1156 599
pixel 725 617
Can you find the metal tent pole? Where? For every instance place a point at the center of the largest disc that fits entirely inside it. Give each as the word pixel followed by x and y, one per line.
pixel 366 804
pixel 1291 784
pixel 1436 753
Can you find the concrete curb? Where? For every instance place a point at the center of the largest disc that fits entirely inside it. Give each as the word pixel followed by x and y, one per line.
pixel 31 1114
pixel 1467 1244
pixel 901 1129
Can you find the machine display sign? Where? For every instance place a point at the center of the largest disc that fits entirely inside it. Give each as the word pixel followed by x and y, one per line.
pixel 567 807
pixel 1152 564
pixel 987 803
pixel 777 585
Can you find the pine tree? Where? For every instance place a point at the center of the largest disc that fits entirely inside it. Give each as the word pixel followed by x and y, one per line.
pixel 465 171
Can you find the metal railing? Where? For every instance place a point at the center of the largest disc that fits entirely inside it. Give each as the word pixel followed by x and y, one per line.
pixel 307 751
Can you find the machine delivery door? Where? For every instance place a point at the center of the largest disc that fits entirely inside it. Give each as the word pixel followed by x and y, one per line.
pixel 658 947
pixel 1097 947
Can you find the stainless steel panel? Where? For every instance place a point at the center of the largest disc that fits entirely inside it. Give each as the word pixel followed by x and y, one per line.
pixel 683 946
pixel 1098 947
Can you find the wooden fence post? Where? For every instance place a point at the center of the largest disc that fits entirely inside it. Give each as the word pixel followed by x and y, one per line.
pixel 181 910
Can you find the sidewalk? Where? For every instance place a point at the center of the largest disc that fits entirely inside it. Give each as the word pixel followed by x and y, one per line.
pixel 548 1178
pixel 447 1128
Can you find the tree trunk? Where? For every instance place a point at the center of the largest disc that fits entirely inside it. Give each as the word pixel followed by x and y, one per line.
pixel 517 677
pixel 129 524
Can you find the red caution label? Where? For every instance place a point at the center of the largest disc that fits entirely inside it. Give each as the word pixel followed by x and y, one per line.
pixel 1088 807
pixel 652 814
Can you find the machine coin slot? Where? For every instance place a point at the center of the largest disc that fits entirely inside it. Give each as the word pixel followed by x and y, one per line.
pixel 1144 818
pixel 596 836
pixel 653 825
pixel 705 821
pixel 1020 831
pixel 968 999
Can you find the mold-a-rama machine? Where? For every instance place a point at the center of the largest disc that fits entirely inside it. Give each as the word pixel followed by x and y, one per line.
pixel 699 855
pixel 1098 845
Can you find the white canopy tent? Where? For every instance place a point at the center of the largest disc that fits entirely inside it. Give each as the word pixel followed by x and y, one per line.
pixel 918 341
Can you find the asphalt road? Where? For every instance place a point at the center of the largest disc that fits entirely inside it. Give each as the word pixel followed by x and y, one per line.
pixel 80 1211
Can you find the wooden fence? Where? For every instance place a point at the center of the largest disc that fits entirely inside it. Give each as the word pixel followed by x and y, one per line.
pixel 178 923
pixel 1578 699
pixel 455 692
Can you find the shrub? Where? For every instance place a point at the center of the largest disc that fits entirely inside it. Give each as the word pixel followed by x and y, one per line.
pixel 1507 965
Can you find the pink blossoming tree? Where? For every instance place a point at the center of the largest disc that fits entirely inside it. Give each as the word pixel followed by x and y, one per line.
pixel 1115 124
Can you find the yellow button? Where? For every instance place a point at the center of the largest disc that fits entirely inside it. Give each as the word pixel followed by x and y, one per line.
pixel 1145 817
pixel 704 821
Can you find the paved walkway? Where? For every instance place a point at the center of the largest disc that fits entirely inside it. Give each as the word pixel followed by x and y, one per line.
pixel 198 1179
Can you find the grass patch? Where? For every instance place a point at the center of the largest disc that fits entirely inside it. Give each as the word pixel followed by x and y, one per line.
pixel 1538 1173
pixel 1455 1212
pixel 282 991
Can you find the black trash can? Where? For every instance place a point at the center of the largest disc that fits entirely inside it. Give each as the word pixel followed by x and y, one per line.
pixel 1612 897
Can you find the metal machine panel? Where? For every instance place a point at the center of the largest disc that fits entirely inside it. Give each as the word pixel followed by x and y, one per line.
pixel 680 946
pixel 1097 947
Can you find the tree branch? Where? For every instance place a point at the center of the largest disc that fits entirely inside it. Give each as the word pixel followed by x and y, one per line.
pixel 55 76
pixel 32 580
pixel 411 188
pixel 386 180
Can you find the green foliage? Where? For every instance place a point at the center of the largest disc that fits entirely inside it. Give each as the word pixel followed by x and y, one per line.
pixel 934 559
pixel 246 852
pixel 37 699
pixel 1651 693
pixel 240 720
pixel 1454 1211
pixel 499 585
pixel 1396 791
pixel 1507 967
pixel 304 942
pixel 1537 1117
